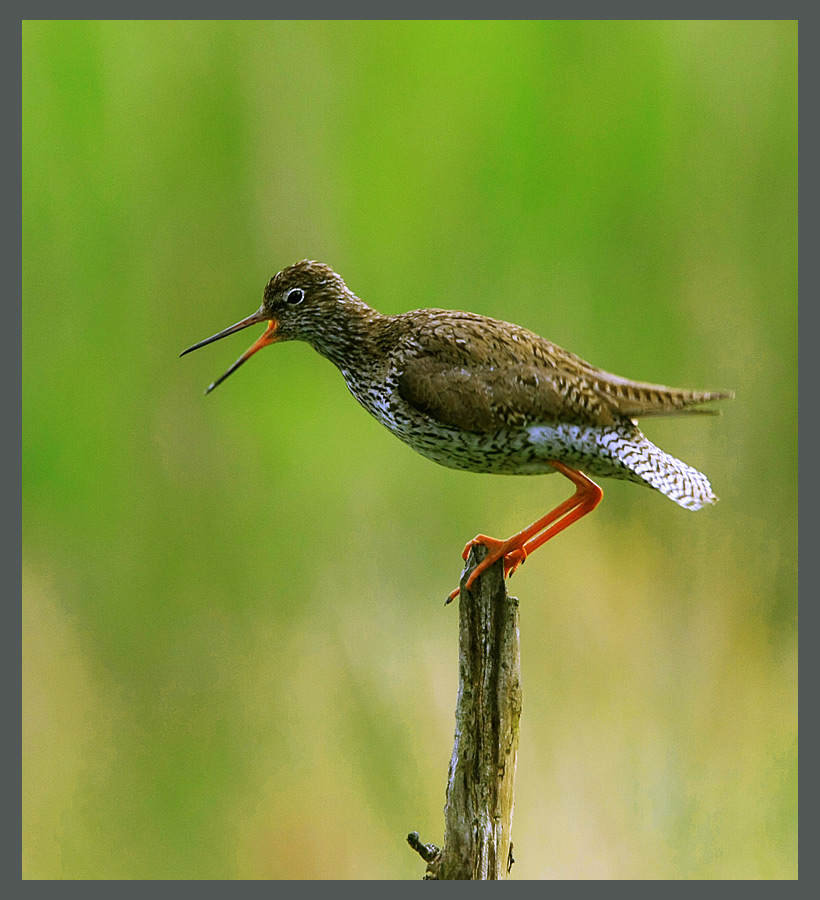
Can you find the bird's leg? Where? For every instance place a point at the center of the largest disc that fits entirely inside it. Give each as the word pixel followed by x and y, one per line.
pixel 586 497
pixel 516 548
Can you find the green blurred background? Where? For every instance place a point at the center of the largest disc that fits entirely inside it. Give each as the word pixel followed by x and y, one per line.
pixel 236 661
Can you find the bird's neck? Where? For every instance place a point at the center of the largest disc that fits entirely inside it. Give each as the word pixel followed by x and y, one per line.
pixel 352 336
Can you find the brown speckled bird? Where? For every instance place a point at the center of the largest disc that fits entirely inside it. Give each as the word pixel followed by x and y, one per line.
pixel 475 393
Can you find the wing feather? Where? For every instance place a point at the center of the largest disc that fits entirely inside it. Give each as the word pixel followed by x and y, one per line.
pixel 481 375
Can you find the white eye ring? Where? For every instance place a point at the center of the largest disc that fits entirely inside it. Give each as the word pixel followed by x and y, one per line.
pixel 295 295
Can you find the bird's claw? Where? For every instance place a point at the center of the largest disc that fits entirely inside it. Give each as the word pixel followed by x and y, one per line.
pixel 491 543
pixel 512 560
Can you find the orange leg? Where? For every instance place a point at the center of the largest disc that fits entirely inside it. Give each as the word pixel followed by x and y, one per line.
pixel 518 547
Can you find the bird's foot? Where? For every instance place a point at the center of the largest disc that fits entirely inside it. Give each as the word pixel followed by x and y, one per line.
pixel 512 551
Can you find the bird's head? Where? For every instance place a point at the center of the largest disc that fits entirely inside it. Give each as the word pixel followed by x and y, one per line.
pixel 307 301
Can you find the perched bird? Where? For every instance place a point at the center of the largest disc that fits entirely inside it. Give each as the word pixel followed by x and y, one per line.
pixel 475 393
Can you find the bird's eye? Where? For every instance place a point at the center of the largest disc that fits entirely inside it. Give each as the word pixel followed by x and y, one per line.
pixel 295 295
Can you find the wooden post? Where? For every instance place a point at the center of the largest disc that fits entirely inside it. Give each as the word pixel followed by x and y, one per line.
pixel 480 786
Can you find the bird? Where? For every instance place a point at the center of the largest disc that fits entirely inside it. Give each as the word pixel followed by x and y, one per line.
pixel 479 394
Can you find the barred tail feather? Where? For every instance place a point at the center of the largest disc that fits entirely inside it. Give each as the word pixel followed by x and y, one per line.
pixel 680 482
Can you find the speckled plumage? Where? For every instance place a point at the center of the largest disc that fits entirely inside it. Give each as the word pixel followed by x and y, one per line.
pixel 476 393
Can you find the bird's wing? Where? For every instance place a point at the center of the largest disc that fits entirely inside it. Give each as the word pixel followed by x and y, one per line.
pixel 480 400
pixel 481 375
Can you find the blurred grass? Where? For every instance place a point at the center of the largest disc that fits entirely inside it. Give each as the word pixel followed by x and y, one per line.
pixel 231 669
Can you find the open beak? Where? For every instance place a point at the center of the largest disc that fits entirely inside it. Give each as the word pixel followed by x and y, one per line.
pixel 269 337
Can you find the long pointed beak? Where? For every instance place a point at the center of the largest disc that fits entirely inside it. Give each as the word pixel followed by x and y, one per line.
pixel 269 337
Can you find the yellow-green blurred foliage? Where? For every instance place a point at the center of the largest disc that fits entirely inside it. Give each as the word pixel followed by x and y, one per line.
pixel 236 661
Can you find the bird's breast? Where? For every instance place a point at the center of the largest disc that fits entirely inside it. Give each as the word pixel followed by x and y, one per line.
pixel 524 450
